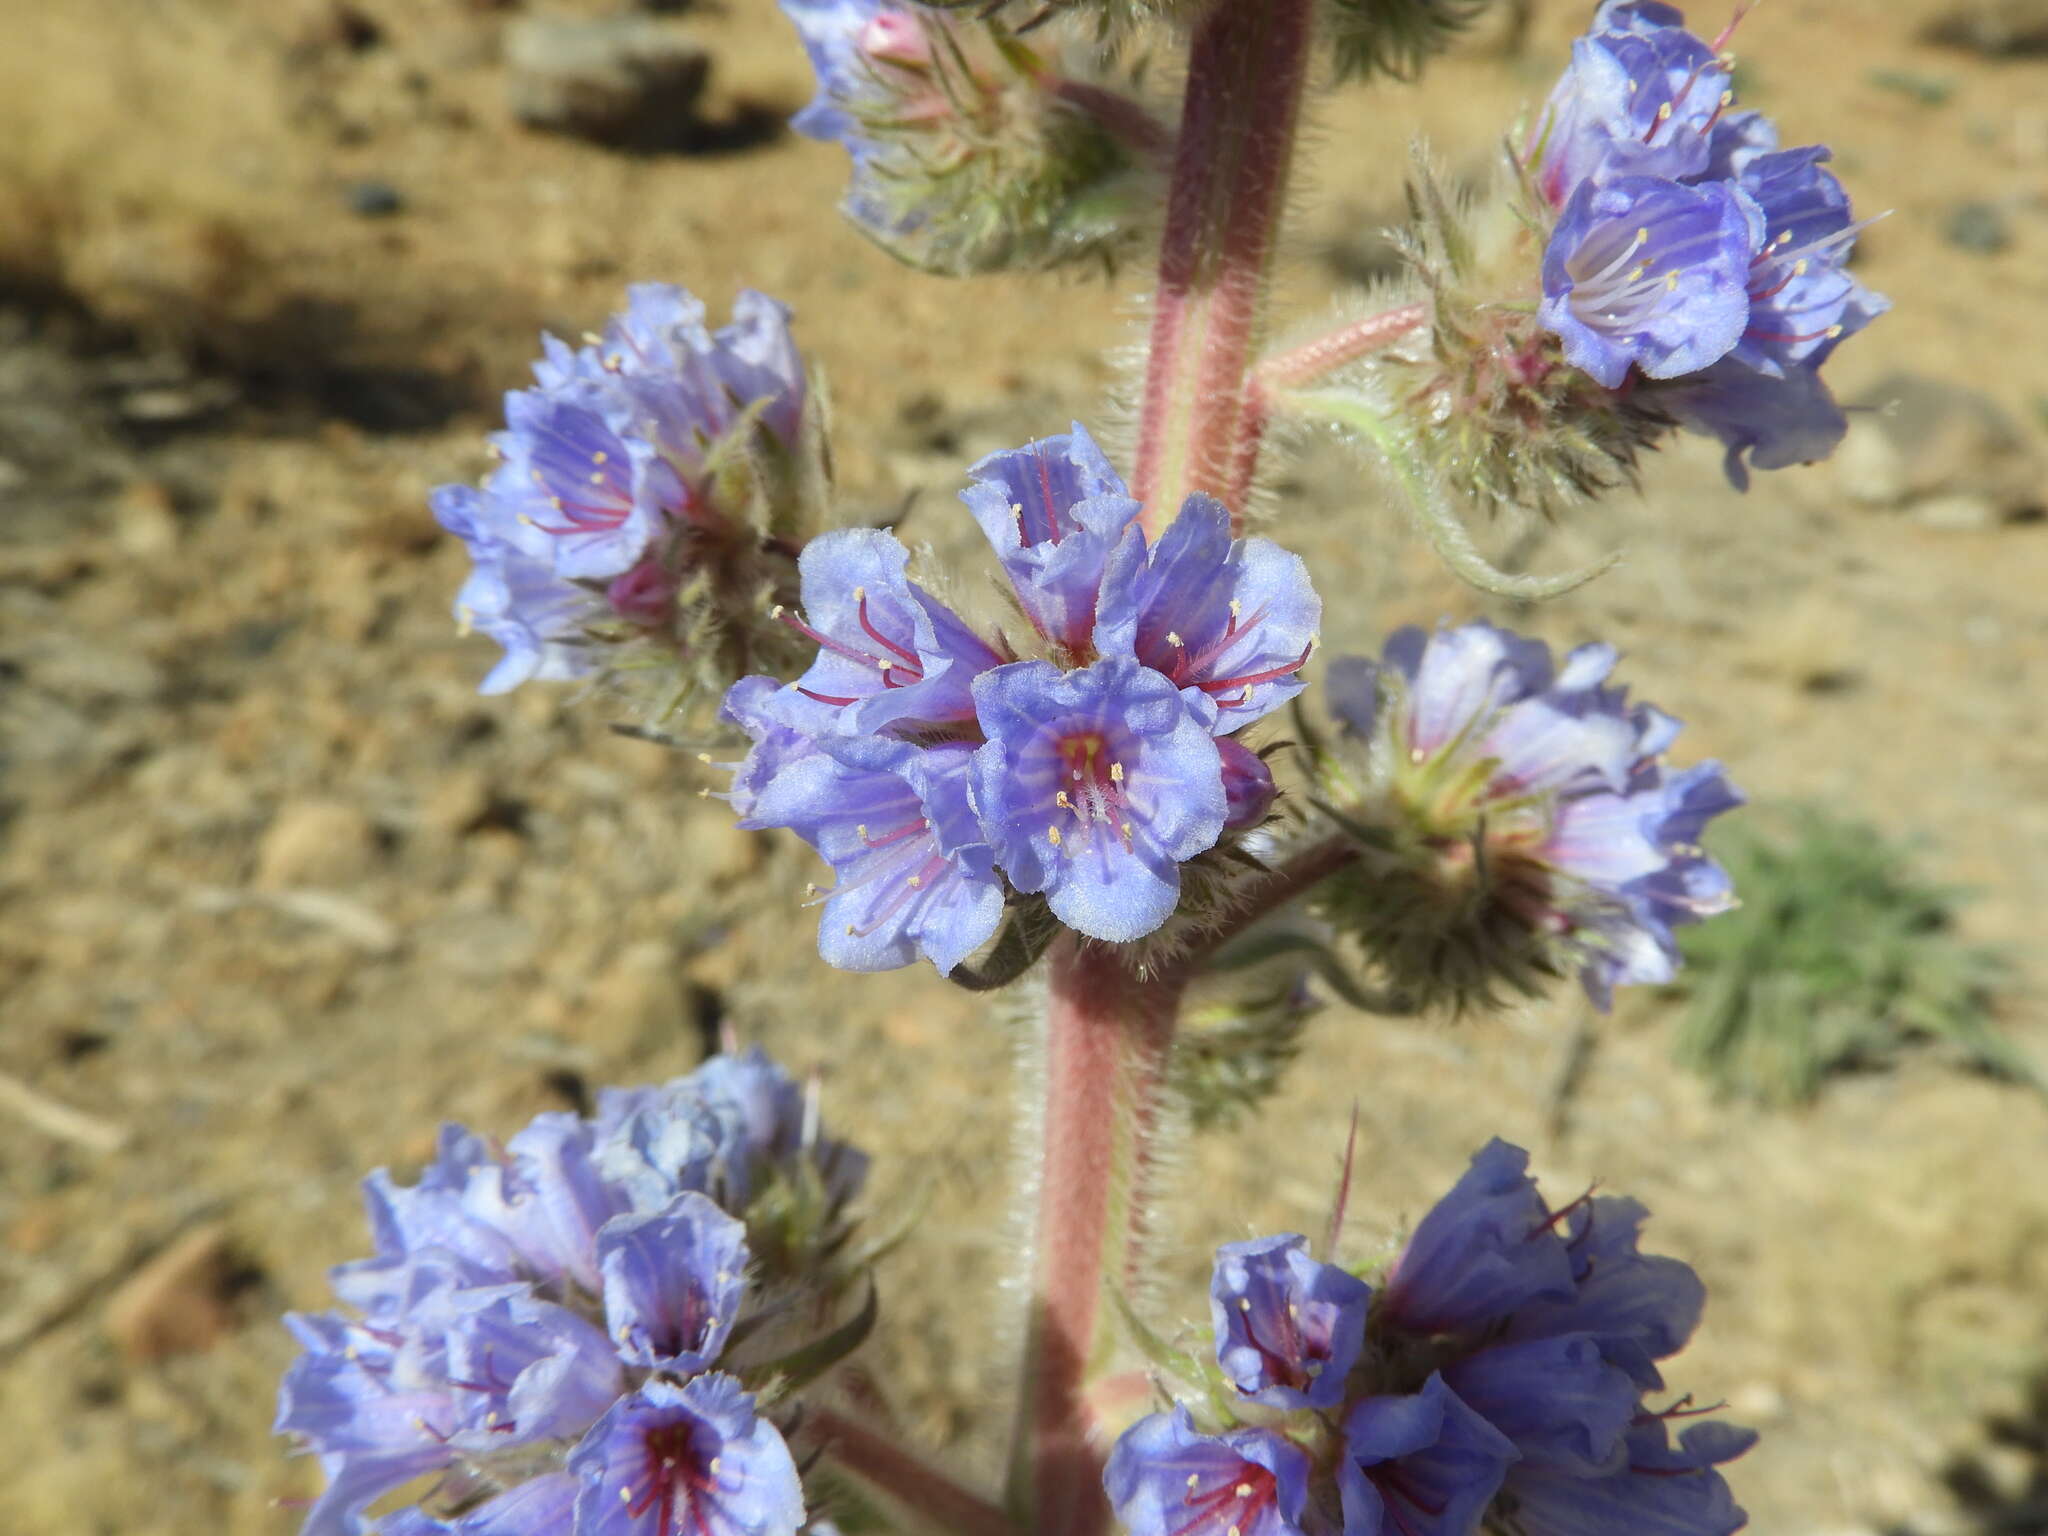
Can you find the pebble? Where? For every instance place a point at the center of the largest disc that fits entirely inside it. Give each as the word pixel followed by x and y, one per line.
pixel 316 843
pixel 1996 28
pixel 374 199
pixel 625 81
pixel 1980 228
pixel 146 520
pixel 180 1302
pixel 1916 439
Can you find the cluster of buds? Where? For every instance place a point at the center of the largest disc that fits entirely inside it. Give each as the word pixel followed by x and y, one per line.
pixel 593 1329
pixel 1085 755
pixel 1493 1379
pixel 1513 819
pixel 971 151
pixel 650 498
pixel 1661 263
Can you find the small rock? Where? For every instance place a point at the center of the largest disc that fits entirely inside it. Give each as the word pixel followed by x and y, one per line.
pixel 180 1302
pixel 374 199
pixel 1998 28
pixel 1957 512
pixel 626 81
pixel 1978 227
pixel 318 843
pixel 1916 438
pixel 146 520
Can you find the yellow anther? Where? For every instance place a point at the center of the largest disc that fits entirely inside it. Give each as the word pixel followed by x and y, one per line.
pixel 599 457
pixel 597 478
pixel 1671 282
pixel 917 882
pixel 1173 638
pixel 592 339
pixel 1052 835
pixel 1799 267
pixel 713 1465
pixel 1833 332
pixel 1244 1303
pixel 1116 773
pixel 625 1495
pixel 1244 1490
pixel 1063 801
pixel 1194 1481
pixel 860 594
pixel 1637 275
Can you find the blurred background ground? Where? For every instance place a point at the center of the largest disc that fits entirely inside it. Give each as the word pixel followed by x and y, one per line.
pixel 278 891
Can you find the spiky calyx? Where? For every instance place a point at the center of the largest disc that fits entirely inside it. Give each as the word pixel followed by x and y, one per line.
pixel 1395 37
pixel 971 151
pixel 1486 398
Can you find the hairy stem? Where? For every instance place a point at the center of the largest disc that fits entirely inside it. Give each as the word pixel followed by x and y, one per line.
pixel 921 1490
pixel 1201 423
pixel 1107 1035
pixel 1429 505
pixel 1347 344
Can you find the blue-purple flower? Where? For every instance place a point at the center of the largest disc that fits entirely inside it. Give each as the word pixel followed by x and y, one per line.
pixel 1494 1380
pixel 689 1460
pixel 1423 1464
pixel 1094 787
pixel 1648 274
pixel 1234 618
pixel 888 651
pixel 1288 1329
pixel 673 1280
pixel 1053 510
pixel 1166 1478
pixel 943 779
pixel 643 495
pixel 531 1309
pixel 913 872
pixel 1641 97
pixel 1532 828
pixel 1691 260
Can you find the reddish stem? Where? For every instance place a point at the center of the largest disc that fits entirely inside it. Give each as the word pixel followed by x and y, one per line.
pixel 1310 361
pixel 895 1472
pixel 1246 71
pixel 1107 1037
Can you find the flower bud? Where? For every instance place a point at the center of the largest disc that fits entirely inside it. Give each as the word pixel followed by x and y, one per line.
pixel 971 152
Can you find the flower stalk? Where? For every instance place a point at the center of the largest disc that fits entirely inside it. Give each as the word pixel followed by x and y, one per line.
pixel 1108 1033
pixel 1200 426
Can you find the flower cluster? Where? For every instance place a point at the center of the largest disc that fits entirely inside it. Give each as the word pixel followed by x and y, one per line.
pixel 647 502
pixel 939 772
pixel 546 1327
pixel 1690 252
pixel 970 152
pixel 1514 820
pixel 1494 1378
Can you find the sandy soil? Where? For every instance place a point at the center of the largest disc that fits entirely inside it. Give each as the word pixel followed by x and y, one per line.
pixel 278 891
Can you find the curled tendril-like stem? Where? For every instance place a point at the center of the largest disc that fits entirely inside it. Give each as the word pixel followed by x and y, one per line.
pixel 1027 933
pixel 1432 509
